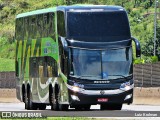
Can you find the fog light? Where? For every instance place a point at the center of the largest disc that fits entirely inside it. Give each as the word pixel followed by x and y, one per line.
pixel 128 97
pixel 74 97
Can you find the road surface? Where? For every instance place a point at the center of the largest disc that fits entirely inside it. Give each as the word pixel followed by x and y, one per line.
pixel 127 111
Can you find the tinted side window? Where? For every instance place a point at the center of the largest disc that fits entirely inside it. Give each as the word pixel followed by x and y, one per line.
pixel 29 29
pixel 16 35
pixel 43 67
pixel 19 29
pixel 22 29
pixel 52 67
pixel 61 24
pixel 52 25
pixel 33 71
pixel 32 25
pixel 45 24
pixel 26 26
pixel 39 26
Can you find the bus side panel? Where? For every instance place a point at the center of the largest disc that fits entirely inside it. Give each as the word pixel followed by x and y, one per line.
pixel 18 81
pixel 64 98
pixel 18 70
pixel 42 68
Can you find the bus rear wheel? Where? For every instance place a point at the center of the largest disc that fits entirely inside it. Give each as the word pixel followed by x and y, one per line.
pixel 29 105
pixel 111 106
pixel 26 101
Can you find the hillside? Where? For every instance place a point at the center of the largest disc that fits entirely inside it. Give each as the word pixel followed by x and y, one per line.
pixel 140 13
pixel 8 64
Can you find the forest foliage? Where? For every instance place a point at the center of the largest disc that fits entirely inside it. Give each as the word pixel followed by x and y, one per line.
pixel 140 12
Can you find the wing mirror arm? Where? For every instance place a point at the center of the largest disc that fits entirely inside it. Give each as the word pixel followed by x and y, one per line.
pixel 138 47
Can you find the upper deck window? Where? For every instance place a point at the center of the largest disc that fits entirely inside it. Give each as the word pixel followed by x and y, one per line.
pixel 101 26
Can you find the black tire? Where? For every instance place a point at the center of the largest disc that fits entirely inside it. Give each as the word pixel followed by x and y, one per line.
pixel 29 105
pixel 55 104
pixel 62 107
pixel 26 104
pixel 54 101
pixel 23 96
pixel 111 106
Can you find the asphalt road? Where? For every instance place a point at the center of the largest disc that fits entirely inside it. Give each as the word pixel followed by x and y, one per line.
pixel 127 111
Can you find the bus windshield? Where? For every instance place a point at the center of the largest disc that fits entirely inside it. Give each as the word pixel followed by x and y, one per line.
pixel 98 26
pixel 101 64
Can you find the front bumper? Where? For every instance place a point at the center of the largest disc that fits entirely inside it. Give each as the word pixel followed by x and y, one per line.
pixel 91 96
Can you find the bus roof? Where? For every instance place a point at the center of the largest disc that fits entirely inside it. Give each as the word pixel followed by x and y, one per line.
pixel 36 12
pixel 89 7
pixel 72 7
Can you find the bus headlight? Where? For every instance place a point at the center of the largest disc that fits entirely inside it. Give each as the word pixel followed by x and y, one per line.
pixel 125 86
pixel 75 88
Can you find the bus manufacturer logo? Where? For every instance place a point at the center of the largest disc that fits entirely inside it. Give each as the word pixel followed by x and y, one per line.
pixel 102 92
pixel 101 82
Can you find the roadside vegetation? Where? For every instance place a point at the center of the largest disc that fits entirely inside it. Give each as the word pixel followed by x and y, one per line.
pixel 7 64
pixel 140 12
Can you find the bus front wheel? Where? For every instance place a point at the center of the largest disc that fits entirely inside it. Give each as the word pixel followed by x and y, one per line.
pixel 55 104
pixel 54 101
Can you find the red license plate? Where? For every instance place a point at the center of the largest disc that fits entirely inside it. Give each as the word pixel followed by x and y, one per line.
pixel 102 99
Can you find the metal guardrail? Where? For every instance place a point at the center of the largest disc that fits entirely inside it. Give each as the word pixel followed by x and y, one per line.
pixel 7 79
pixel 147 75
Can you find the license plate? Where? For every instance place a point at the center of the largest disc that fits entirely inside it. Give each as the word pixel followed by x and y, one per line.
pixel 102 99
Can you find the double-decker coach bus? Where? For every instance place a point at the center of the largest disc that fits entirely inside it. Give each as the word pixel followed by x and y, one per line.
pixel 75 56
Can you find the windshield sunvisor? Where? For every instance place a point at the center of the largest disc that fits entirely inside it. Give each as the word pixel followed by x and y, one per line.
pixel 99 45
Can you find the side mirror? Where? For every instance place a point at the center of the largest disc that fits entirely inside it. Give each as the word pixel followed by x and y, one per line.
pixel 138 47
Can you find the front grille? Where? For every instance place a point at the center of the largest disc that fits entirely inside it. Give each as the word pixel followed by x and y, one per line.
pixel 101 86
